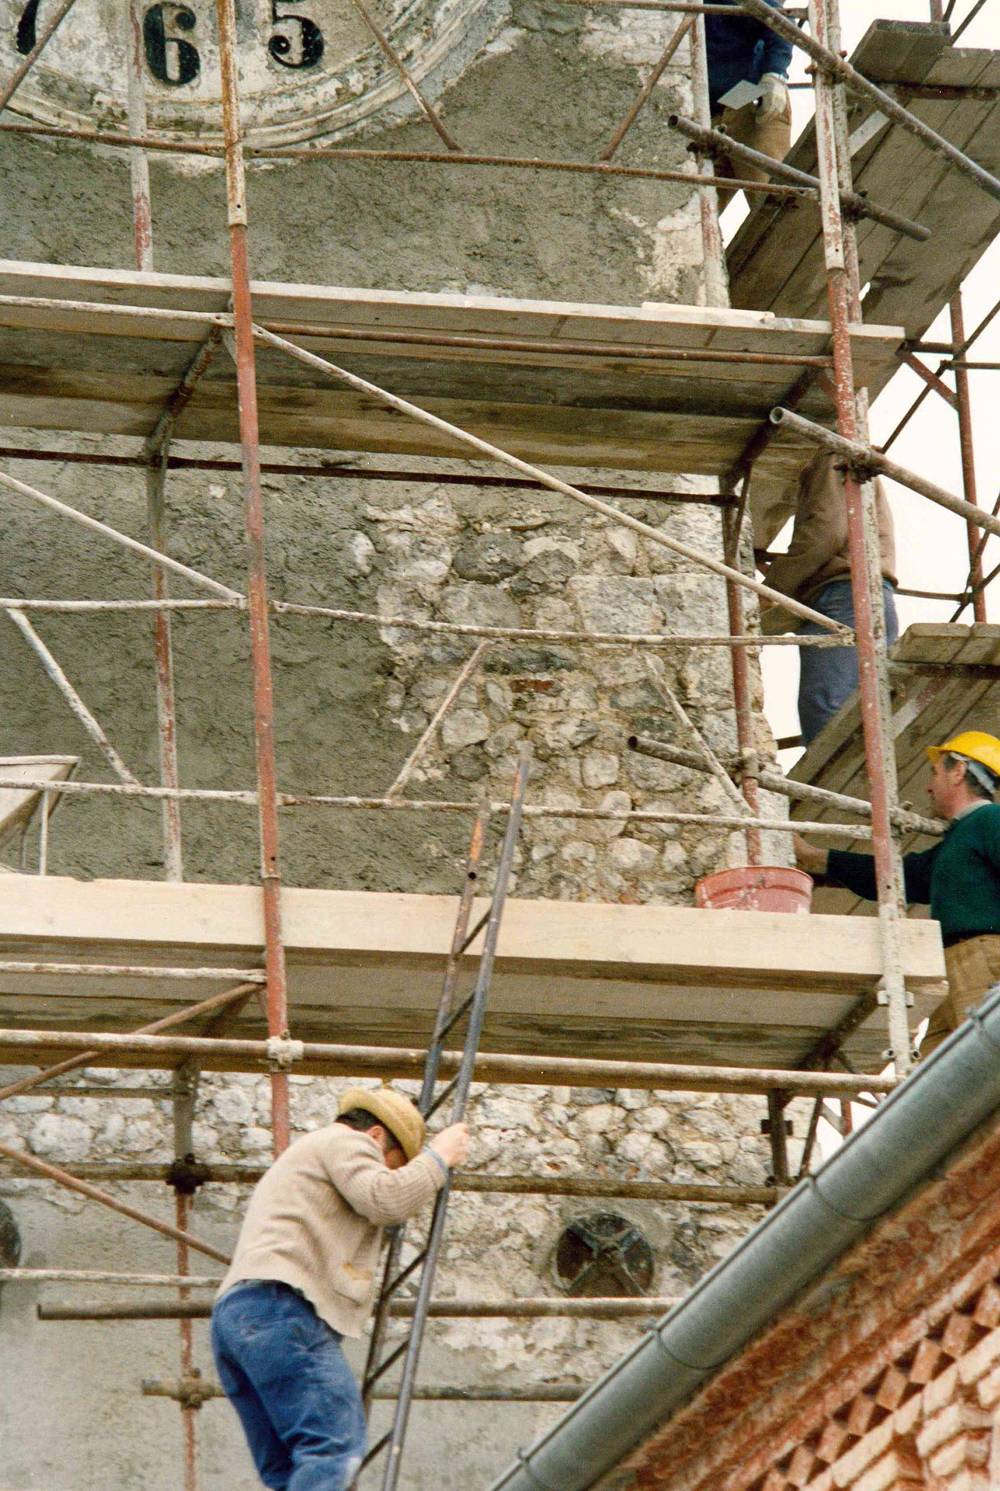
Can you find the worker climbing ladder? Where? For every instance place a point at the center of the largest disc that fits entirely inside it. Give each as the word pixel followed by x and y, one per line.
pixel 449 1016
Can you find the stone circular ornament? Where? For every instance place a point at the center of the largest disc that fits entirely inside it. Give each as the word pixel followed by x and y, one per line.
pixel 603 1255
pixel 306 68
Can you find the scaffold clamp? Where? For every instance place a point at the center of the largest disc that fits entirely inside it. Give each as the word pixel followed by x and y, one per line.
pixel 283 1052
pixel 882 996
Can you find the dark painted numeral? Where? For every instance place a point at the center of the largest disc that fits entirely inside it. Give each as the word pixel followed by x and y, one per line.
pixel 297 42
pixel 26 35
pixel 171 59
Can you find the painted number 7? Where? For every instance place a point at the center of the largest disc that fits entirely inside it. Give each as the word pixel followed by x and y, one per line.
pixel 297 41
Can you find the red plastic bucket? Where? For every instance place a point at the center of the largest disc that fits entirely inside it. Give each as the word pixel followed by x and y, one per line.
pixel 756 888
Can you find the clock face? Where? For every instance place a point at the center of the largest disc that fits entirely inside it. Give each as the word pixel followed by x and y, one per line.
pixel 306 67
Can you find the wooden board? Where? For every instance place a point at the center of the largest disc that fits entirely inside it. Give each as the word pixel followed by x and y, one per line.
pixel 776 258
pixel 19 804
pixel 571 384
pixel 571 978
pixel 928 707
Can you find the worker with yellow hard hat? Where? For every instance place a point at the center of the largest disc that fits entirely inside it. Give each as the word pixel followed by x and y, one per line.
pixel 303 1276
pixel 959 878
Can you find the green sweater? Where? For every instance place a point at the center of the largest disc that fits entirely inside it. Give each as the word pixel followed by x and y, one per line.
pixel 959 878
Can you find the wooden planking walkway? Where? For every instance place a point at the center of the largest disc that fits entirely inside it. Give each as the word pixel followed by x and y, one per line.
pixel 776 258
pixel 933 698
pixel 574 384
pixel 628 982
pixel 776 262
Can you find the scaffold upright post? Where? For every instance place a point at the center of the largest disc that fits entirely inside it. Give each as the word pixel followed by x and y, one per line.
pixel 713 253
pixel 163 653
pixel 963 409
pixel 260 644
pixel 733 546
pixel 866 577
pixel 142 215
pixel 185 1088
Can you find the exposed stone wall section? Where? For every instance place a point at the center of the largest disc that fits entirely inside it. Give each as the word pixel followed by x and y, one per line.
pixel 512 560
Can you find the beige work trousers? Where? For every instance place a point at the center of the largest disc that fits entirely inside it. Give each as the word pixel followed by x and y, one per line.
pixel 973 968
pixel 773 138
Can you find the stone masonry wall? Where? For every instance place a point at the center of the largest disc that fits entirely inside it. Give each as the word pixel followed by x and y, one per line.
pixel 351 701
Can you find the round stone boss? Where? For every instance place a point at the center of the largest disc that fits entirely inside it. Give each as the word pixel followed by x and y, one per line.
pixel 306 67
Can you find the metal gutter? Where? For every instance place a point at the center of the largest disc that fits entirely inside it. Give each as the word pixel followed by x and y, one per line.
pixel 914 1130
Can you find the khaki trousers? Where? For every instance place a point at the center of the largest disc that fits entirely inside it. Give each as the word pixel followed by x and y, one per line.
pixel 973 968
pixel 771 138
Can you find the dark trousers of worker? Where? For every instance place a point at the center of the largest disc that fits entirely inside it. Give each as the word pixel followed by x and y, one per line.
pixel 284 1372
pixel 829 675
pixel 973 967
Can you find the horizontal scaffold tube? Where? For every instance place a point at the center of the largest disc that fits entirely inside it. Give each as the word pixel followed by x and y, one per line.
pixel 774 781
pixel 446 628
pixel 717 142
pixel 494 1185
pixel 438 1309
pixel 446 805
pixel 196 1390
pixel 322 1058
pixel 866 458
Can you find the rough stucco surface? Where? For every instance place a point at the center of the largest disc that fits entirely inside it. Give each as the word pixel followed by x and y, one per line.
pixel 350 704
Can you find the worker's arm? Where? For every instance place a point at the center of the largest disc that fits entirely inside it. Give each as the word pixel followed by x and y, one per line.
pixel 385 1196
pixel 777 51
pixel 856 872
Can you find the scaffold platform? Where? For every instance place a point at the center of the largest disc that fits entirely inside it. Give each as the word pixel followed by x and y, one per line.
pixel 652 387
pixel 944 679
pixel 623 981
pixel 776 258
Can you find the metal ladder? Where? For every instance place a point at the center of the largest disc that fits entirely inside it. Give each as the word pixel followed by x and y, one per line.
pixel 473 1007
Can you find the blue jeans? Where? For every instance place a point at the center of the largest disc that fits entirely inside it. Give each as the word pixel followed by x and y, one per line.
pixel 284 1372
pixel 829 675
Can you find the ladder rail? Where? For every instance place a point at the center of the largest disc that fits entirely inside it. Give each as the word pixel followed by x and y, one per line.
pixel 464 1082
pixel 391 1270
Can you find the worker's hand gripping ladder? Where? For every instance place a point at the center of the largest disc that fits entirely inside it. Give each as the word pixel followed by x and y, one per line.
pixel 473 1010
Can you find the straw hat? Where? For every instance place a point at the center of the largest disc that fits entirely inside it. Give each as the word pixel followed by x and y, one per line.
pixel 393 1110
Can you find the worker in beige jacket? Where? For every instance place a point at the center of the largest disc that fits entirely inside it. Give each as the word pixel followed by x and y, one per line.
pixel 303 1277
pixel 817 571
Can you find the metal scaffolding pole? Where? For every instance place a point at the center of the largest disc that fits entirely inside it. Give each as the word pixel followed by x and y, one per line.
pixel 263 693
pixel 163 653
pixel 142 216
pixel 840 254
pixel 498 1185
pixel 963 410
pixel 713 253
pixel 321 1057
pixel 739 661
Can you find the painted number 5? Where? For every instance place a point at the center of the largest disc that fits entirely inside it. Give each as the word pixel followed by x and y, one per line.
pixel 297 41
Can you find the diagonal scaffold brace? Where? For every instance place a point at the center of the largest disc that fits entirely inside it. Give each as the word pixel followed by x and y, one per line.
pixel 472 1011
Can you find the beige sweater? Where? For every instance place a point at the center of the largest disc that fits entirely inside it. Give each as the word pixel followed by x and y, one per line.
pixel 818 552
pixel 315 1220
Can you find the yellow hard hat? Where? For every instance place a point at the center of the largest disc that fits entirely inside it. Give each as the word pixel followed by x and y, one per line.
pixel 976 745
pixel 393 1110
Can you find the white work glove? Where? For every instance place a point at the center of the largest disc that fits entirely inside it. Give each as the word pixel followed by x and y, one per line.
pixel 774 99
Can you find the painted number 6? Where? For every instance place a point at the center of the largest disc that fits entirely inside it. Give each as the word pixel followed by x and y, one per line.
pixel 171 59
